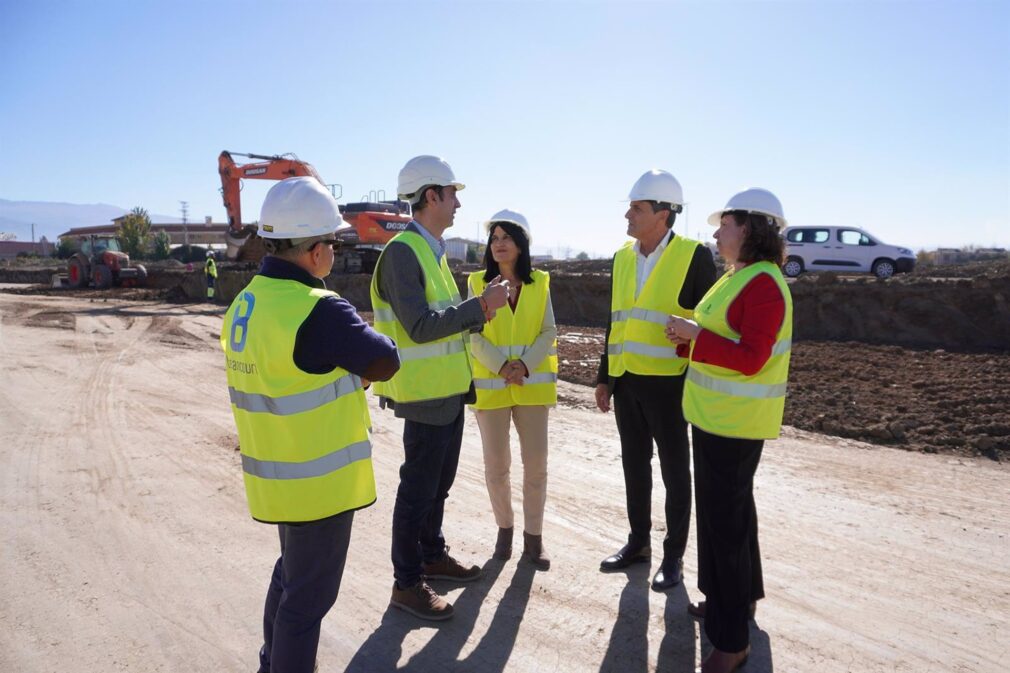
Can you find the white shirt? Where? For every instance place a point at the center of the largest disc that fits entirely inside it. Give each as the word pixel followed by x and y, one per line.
pixel 645 264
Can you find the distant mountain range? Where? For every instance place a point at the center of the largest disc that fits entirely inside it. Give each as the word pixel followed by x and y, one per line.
pixel 52 219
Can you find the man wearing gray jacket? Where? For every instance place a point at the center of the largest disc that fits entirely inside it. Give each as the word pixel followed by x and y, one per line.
pixel 417 303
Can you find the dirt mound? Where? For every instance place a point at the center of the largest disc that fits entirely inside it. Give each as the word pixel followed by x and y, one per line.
pixel 922 400
pixel 956 314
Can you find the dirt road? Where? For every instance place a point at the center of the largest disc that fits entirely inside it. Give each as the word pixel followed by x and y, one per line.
pixel 127 544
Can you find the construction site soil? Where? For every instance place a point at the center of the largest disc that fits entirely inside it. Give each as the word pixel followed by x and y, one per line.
pixel 915 362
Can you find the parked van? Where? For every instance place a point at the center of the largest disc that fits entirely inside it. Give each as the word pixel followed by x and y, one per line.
pixel 842 249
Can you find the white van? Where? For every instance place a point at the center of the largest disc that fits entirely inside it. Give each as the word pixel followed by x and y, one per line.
pixel 842 249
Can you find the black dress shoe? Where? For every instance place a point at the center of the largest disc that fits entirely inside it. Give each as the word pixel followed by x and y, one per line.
pixel 627 555
pixel 669 575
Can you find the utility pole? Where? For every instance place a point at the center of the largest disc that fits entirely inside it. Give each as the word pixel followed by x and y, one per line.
pixel 185 222
pixel 33 232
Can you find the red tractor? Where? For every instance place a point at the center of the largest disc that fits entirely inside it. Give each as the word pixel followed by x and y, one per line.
pixel 100 261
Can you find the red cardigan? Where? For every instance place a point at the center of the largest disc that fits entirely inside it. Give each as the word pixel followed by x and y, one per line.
pixel 756 314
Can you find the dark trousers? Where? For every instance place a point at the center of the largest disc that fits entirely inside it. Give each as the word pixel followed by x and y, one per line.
pixel 302 590
pixel 648 408
pixel 431 455
pixel 729 560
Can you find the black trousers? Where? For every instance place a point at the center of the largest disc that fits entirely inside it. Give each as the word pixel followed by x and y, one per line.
pixel 431 455
pixel 302 590
pixel 648 409
pixel 729 560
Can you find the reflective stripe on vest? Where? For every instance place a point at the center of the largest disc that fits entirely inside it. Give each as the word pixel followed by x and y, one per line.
pixel 638 342
pixel 432 370
pixel 303 437
pixel 726 402
pixel 297 403
pixel 499 383
pixel 331 462
pixel 513 333
pixel 736 388
pixel 434 350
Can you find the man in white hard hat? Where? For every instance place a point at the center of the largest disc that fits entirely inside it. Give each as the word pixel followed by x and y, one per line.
pixel 417 303
pixel 657 275
pixel 296 355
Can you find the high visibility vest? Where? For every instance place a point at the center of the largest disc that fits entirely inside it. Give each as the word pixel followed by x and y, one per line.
pixel 638 342
pixel 211 267
pixel 724 401
pixel 513 334
pixel 432 370
pixel 306 454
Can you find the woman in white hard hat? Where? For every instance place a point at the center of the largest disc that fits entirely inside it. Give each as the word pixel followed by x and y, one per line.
pixel 734 396
pixel 515 372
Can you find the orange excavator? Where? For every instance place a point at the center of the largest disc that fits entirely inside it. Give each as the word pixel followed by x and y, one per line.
pixel 370 223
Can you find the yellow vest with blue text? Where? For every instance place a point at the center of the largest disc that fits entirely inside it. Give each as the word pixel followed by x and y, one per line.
pixel 432 370
pixel 638 342
pixel 306 454
pixel 513 334
pixel 724 401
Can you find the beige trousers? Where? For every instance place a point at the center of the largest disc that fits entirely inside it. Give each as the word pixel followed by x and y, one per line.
pixel 531 425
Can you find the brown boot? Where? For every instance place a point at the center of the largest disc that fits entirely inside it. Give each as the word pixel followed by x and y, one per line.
pixel 533 551
pixel 503 547
pixel 421 601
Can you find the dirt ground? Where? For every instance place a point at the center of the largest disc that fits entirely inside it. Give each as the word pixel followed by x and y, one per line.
pixel 128 546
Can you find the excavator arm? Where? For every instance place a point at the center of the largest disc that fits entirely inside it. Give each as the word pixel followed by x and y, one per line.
pixel 276 167
pixel 371 224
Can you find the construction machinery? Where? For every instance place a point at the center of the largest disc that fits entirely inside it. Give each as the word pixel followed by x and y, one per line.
pixel 100 261
pixel 371 223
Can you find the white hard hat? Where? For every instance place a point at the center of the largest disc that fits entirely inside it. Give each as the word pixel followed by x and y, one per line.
pixel 512 216
pixel 753 200
pixel 421 172
pixel 298 208
pixel 657 185
pixel 210 253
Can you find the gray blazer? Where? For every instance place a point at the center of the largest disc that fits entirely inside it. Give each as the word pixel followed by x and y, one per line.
pixel 400 282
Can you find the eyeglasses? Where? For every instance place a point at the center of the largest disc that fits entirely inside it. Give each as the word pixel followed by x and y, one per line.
pixel 332 242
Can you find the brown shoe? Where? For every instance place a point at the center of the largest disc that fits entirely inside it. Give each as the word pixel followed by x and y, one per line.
pixel 421 601
pixel 503 547
pixel 697 610
pixel 718 661
pixel 533 551
pixel 448 568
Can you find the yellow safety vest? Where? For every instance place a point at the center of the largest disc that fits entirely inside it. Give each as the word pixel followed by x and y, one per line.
pixel 513 334
pixel 638 342
pixel 724 401
pixel 211 267
pixel 432 370
pixel 306 454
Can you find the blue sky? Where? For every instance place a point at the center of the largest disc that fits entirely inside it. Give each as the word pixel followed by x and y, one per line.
pixel 890 115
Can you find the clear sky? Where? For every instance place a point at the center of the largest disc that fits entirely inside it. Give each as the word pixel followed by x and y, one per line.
pixel 890 115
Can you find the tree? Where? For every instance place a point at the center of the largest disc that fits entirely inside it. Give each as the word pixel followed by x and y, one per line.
pixel 65 248
pixel 582 256
pixel 134 230
pixel 162 245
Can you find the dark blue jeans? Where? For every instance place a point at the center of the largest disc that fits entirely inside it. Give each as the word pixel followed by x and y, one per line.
pixel 302 590
pixel 431 455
